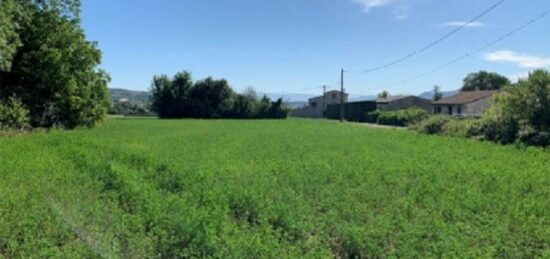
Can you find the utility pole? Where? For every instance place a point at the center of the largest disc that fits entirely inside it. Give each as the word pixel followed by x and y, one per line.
pixel 342 96
pixel 324 99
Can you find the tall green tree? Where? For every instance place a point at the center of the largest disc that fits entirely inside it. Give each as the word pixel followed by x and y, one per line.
pixel 170 97
pixel 484 80
pixel 211 98
pixel 54 71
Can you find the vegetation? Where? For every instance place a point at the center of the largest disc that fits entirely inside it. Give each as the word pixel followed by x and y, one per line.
pixel 437 93
pixel 13 115
pixel 520 114
pixel 484 80
pixel 383 94
pixel 58 85
pixel 146 188
pixel 128 108
pixel 180 97
pixel 399 118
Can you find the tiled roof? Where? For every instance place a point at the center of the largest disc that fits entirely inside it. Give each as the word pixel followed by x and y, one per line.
pixel 466 97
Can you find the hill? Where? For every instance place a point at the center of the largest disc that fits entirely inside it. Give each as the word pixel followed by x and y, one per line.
pixel 135 97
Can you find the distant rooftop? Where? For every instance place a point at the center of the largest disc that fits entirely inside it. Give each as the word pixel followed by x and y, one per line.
pixel 390 98
pixel 466 97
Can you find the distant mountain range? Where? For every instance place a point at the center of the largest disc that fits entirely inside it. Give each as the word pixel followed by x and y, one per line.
pixel 132 96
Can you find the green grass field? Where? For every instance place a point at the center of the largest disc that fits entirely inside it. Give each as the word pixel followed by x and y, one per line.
pixel 298 188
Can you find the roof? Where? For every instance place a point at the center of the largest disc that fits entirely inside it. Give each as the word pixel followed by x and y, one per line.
pixel 466 97
pixel 326 94
pixel 390 98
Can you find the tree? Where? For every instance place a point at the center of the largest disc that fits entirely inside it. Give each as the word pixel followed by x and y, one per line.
pixel 9 38
pixel 483 80
pixel 522 112
pixel 170 97
pixel 383 94
pixel 211 98
pixel 437 93
pixel 60 85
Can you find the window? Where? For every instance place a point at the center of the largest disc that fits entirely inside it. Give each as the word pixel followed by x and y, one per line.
pixel 333 96
pixel 450 108
pixel 459 110
pixel 313 104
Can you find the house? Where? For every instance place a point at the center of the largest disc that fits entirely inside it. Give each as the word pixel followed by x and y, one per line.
pixel 465 103
pixel 317 105
pixel 400 102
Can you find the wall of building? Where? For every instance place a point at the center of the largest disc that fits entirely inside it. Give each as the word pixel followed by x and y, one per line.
pixel 478 107
pixel 471 109
pixel 307 112
pixel 405 103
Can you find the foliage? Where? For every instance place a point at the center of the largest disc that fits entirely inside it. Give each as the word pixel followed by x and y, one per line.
pixel 432 125
pixel 401 118
pixel 484 80
pixel 180 97
pixel 60 85
pixel 460 127
pixel 129 109
pixel 372 117
pixel 383 94
pixel 13 114
pixel 521 112
pixel 437 93
pixel 144 188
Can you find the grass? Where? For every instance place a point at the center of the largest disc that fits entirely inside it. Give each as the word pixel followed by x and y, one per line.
pixel 138 188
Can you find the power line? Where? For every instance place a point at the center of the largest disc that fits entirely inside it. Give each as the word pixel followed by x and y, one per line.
pixel 437 41
pixel 478 50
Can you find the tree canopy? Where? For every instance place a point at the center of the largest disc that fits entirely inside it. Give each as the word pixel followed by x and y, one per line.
pixel 49 65
pixel 522 112
pixel 180 97
pixel 484 80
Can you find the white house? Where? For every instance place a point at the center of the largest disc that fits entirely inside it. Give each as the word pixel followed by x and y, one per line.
pixel 465 103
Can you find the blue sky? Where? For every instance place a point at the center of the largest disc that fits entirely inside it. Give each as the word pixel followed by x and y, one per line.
pixel 293 46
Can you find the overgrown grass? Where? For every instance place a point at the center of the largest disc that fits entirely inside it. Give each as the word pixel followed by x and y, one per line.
pixel 299 188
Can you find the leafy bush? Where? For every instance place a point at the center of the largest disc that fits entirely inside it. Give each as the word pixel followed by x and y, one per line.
pixel 521 112
pixel 372 117
pixel 459 127
pixel 432 125
pixel 401 117
pixel 13 115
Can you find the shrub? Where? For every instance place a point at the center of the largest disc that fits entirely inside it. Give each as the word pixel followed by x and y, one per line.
pixel 459 127
pixel 372 117
pixel 431 125
pixel 402 117
pixel 13 114
pixel 521 112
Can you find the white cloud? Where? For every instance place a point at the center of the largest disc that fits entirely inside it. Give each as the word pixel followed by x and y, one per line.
pixel 368 5
pixel 521 60
pixel 466 24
